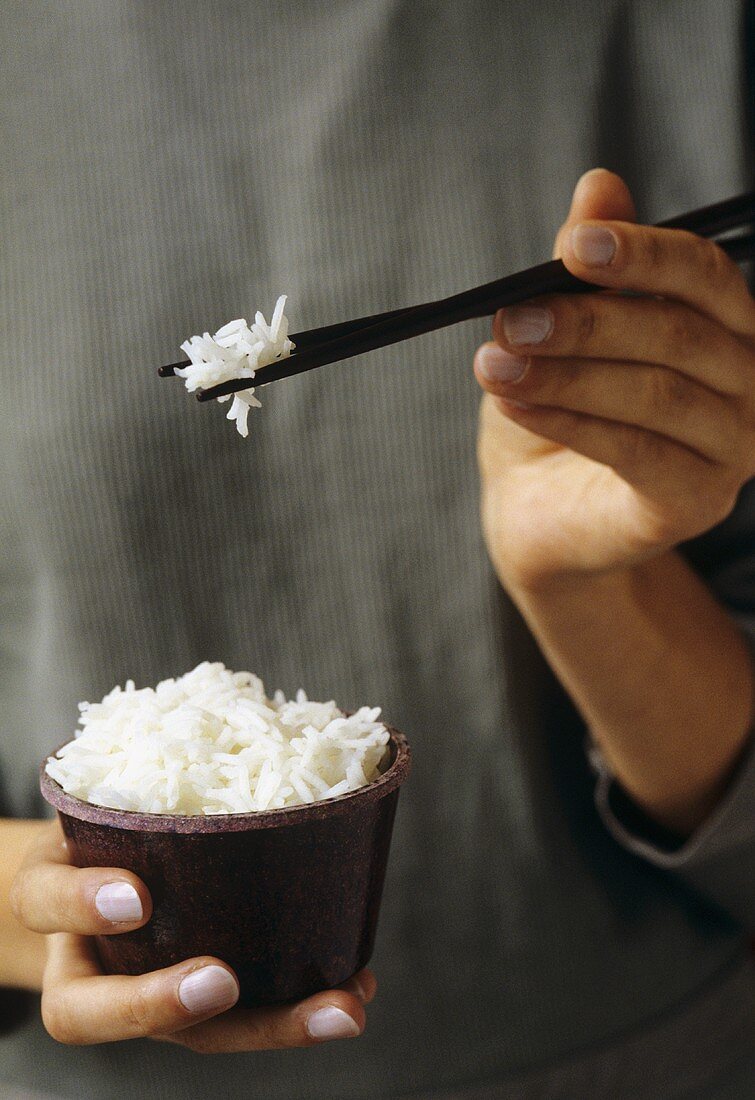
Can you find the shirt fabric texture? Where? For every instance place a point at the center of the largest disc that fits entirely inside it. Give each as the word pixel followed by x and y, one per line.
pixel 169 167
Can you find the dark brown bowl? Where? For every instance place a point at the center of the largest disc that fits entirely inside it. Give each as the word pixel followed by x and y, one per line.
pixel 289 898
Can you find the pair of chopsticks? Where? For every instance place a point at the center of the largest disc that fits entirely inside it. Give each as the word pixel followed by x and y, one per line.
pixel 319 346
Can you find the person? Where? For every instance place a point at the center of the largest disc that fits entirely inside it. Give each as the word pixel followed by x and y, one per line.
pixel 572 878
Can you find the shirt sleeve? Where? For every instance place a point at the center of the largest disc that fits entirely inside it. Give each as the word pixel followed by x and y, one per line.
pixel 718 860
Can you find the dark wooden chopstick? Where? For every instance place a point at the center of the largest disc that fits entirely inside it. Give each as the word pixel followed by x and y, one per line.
pixel 305 340
pixel 720 217
pixel 317 347
pixel 547 278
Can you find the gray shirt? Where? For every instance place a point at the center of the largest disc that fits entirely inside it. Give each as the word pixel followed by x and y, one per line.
pixel 169 167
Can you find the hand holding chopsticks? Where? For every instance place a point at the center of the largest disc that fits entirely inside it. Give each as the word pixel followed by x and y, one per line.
pixel 332 343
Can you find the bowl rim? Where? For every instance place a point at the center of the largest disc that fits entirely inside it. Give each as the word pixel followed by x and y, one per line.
pixel 133 820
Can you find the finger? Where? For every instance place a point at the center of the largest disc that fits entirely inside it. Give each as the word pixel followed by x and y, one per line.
pixel 654 398
pixel 646 330
pixel 49 895
pixel 669 262
pixel 82 1006
pixel 325 1017
pixel 598 194
pixel 363 985
pixel 643 458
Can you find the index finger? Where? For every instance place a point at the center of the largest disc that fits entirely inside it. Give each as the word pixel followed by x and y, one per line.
pixel 668 262
pixel 50 895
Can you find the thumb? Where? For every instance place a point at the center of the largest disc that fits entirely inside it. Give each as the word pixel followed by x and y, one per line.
pixel 598 194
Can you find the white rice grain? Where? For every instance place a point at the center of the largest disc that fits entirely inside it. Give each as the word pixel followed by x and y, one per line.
pixel 236 350
pixel 211 742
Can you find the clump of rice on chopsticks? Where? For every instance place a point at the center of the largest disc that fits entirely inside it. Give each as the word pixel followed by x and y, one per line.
pixel 236 350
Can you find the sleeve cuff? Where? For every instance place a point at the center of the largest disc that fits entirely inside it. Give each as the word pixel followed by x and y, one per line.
pixel 718 860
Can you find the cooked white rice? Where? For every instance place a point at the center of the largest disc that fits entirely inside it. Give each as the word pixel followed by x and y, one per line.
pixel 236 351
pixel 211 742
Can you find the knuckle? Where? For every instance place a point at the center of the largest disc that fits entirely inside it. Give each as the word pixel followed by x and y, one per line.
pixel 560 382
pixel 646 248
pixel 136 1012
pixel 586 323
pixel 653 249
pixel 672 391
pixel 682 329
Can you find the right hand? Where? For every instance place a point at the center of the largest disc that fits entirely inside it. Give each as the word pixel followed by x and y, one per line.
pixel 187 1003
pixel 616 425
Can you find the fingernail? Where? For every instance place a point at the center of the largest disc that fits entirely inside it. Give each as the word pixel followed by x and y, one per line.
pixel 527 324
pixel 118 902
pixel 208 989
pixel 498 366
pixel 332 1023
pixel 593 245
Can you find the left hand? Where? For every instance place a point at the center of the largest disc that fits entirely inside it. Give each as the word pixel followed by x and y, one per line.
pixel 192 1003
pixel 638 424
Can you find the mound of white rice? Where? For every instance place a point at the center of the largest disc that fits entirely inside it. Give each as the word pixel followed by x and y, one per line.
pixel 211 742
pixel 236 351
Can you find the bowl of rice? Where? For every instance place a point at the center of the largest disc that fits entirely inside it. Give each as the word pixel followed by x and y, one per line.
pixel 261 826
